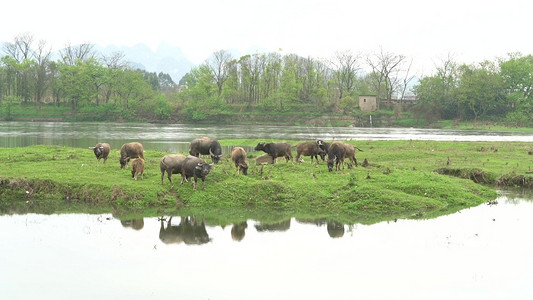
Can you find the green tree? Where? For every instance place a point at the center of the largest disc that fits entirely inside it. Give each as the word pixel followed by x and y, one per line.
pixel 481 90
pixel 517 75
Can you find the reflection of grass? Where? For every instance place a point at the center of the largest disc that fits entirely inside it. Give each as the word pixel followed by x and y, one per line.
pixel 400 182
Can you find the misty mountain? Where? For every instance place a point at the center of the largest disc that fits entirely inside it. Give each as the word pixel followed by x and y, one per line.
pixel 167 59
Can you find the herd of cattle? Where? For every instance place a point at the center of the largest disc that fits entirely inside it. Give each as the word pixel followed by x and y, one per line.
pixel 192 166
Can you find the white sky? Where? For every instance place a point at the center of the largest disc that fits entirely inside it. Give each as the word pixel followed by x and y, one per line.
pixel 424 30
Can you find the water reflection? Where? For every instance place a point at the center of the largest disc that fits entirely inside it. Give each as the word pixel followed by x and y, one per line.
pixel 335 229
pixel 483 252
pixel 136 224
pixel 190 231
pixel 277 226
pixel 238 231
pixel 193 231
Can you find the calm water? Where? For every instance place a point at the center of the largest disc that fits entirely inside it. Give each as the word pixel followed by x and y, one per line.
pixel 176 138
pixel 484 252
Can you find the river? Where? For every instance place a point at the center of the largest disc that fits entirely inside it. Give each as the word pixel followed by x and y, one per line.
pixel 483 252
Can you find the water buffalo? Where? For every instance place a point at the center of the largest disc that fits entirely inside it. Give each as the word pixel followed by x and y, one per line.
pixel 238 156
pixel 311 149
pixel 101 150
pixel 350 152
pixel 336 155
pixel 137 167
pixel 171 164
pixel 195 167
pixel 129 151
pixel 275 150
pixel 206 146
pixel 324 146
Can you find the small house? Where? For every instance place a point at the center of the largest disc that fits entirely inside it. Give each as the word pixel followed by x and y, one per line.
pixel 368 102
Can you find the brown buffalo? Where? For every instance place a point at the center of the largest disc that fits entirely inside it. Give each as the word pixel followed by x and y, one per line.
pixel 101 150
pixel 137 167
pixel 129 151
pixel 311 149
pixel 171 164
pixel 350 153
pixel 238 156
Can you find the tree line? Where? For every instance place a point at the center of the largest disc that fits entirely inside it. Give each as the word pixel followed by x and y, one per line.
pixel 498 90
pixel 261 83
pixel 272 82
pixel 82 79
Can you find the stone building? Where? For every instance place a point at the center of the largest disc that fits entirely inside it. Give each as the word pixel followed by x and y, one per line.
pixel 368 102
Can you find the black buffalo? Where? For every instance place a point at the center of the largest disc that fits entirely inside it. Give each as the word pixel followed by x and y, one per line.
pixel 101 150
pixel 206 146
pixel 275 150
pixel 324 147
pixel 195 167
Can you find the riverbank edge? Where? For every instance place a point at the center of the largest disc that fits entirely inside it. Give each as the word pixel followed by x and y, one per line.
pixel 277 198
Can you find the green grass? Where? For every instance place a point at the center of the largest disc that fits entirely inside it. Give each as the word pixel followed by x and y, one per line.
pixel 404 180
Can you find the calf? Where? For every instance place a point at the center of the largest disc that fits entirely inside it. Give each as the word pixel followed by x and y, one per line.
pixel 275 150
pixel 129 151
pixel 101 150
pixel 195 167
pixel 311 149
pixel 238 156
pixel 137 167
pixel 172 164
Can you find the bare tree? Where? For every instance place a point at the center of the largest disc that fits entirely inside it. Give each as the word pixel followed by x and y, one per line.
pixel 218 64
pixel 385 67
pixel 20 49
pixel 345 66
pixel 115 60
pixel 447 72
pixel 406 80
pixel 42 59
pixel 72 54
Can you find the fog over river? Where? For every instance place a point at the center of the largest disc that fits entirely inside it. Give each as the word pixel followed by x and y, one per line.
pixel 483 252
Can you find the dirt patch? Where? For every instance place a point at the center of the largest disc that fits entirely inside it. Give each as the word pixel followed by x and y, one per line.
pixel 480 176
pixel 476 175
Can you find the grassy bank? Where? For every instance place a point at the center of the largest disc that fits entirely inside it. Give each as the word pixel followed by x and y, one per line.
pixel 404 179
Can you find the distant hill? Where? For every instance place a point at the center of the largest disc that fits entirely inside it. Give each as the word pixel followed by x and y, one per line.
pixel 167 59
